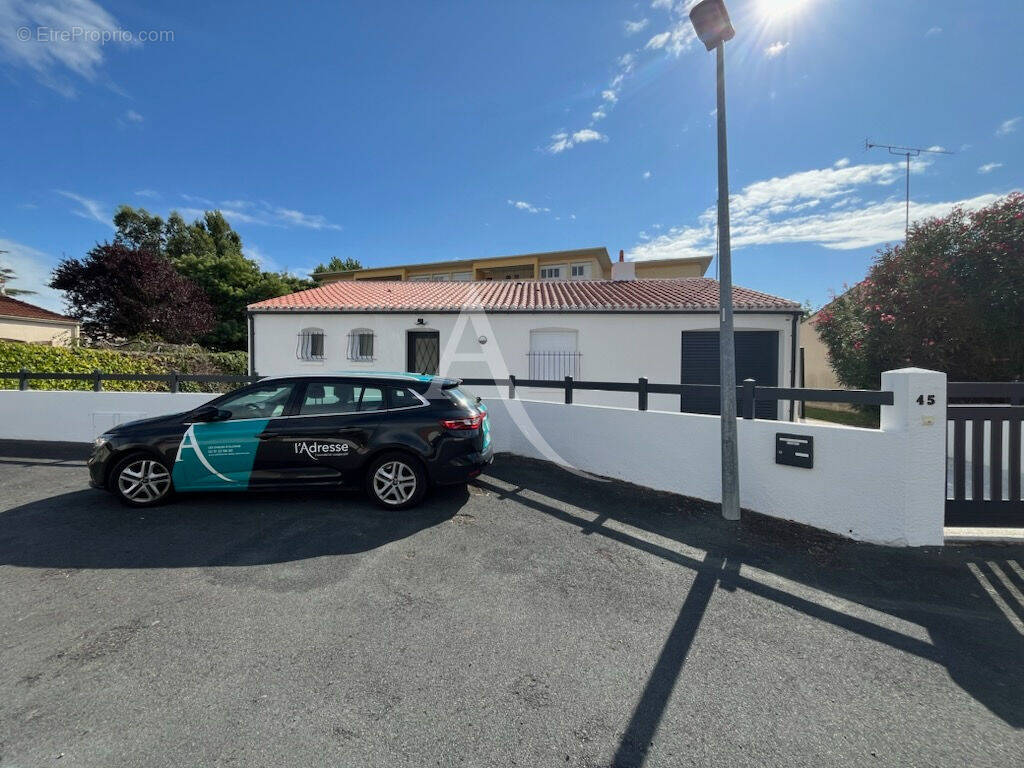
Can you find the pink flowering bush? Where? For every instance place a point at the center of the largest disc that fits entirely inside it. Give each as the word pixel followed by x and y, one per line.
pixel 951 299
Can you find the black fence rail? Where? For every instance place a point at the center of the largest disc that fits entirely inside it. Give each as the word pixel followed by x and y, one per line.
pixel 173 380
pixel 996 392
pixel 748 394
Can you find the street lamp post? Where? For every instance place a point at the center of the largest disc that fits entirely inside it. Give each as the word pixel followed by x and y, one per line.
pixel 710 20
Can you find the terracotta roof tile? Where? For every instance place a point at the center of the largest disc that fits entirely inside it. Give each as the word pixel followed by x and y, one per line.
pixel 682 294
pixel 11 307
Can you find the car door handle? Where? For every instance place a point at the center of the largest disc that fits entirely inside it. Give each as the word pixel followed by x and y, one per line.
pixel 269 435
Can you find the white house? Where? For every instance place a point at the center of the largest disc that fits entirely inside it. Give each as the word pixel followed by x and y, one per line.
pixel 593 330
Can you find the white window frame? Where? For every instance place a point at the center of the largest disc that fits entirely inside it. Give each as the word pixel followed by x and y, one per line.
pixel 355 346
pixel 306 346
pixel 562 270
pixel 586 270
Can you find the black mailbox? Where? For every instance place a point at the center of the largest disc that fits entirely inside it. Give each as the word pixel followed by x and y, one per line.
pixel 794 450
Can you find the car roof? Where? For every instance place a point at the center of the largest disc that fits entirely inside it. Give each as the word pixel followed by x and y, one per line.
pixel 421 378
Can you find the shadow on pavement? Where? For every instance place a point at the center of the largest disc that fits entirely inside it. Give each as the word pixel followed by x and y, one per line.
pixel 933 588
pixel 90 529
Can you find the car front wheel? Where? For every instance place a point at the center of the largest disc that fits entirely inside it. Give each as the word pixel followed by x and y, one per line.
pixel 141 481
pixel 396 481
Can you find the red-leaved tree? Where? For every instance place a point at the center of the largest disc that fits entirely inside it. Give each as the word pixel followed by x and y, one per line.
pixel 123 292
pixel 950 299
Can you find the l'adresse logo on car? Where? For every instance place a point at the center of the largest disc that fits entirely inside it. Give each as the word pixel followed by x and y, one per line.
pixel 318 450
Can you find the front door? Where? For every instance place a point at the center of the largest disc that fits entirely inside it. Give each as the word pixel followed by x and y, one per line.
pixel 223 455
pixel 423 352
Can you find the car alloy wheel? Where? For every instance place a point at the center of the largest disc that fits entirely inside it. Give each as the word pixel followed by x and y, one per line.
pixel 144 481
pixel 394 482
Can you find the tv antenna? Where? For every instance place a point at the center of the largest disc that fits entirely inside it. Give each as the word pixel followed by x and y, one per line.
pixel 907 152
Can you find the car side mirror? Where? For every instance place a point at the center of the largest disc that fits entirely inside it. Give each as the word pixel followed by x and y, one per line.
pixel 210 413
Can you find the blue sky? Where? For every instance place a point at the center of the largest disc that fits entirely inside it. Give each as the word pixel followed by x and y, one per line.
pixel 410 131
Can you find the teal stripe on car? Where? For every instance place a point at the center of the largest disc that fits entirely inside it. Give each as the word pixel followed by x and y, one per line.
pixel 217 455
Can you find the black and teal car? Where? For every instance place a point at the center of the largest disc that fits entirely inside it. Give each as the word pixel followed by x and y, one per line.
pixel 392 434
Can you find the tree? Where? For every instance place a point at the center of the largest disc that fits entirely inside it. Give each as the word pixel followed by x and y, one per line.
pixel 7 275
pixel 951 298
pixel 123 292
pixel 208 252
pixel 337 264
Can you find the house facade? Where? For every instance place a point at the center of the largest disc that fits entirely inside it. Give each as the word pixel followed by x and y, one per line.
pixel 21 321
pixel 577 264
pixel 595 330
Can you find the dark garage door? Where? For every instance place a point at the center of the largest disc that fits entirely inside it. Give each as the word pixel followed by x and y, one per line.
pixel 757 356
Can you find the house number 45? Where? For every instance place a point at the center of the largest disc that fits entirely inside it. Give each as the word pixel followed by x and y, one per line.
pixel 926 399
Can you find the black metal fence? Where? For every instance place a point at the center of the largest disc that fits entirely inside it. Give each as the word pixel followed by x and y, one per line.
pixel 172 380
pixel 748 394
pixel 553 366
pixel 1000 406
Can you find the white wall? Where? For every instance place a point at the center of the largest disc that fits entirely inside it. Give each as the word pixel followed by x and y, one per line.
pixel 80 416
pixel 885 486
pixel 614 347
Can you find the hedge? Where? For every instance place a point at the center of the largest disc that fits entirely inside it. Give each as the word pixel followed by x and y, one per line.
pixel 38 358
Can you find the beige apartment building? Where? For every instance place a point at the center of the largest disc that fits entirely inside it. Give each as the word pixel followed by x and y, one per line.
pixel 578 264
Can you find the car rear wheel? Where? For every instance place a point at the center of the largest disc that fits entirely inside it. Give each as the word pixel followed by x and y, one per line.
pixel 141 480
pixel 396 481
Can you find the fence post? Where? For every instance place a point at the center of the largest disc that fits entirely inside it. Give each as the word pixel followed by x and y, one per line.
pixel 23 379
pixel 511 387
pixel 172 381
pixel 568 390
pixel 642 393
pixel 97 382
pixel 748 398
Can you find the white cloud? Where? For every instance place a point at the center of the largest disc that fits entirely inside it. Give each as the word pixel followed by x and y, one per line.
pixel 1007 126
pixel 610 95
pixel 90 209
pixel 789 210
pixel 598 114
pixel 560 142
pixel 647 175
pixel 632 27
pixel 676 39
pixel 133 117
pixel 665 5
pixel 659 40
pixel 47 55
pixel 522 205
pixel 842 162
pixel 936 148
pixel 933 31
pixel 989 167
pixel 776 49
pixel 32 268
pixel 146 193
pixel 305 220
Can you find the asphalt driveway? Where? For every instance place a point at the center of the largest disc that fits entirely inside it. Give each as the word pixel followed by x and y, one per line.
pixel 537 618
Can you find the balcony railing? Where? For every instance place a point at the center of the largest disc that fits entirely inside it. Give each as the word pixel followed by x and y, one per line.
pixel 553 366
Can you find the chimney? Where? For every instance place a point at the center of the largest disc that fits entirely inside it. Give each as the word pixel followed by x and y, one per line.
pixel 622 269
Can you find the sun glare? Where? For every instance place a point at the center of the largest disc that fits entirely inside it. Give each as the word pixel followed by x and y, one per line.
pixel 772 10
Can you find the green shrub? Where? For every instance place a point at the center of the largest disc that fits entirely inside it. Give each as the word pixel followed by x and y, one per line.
pixel 191 360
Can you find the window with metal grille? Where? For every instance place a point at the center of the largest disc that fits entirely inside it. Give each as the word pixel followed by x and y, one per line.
pixel 311 344
pixel 360 344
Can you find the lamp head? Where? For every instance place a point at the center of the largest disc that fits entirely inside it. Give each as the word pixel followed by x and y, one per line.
pixel 710 20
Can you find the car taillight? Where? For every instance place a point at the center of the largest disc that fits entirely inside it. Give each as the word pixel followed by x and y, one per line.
pixel 473 422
